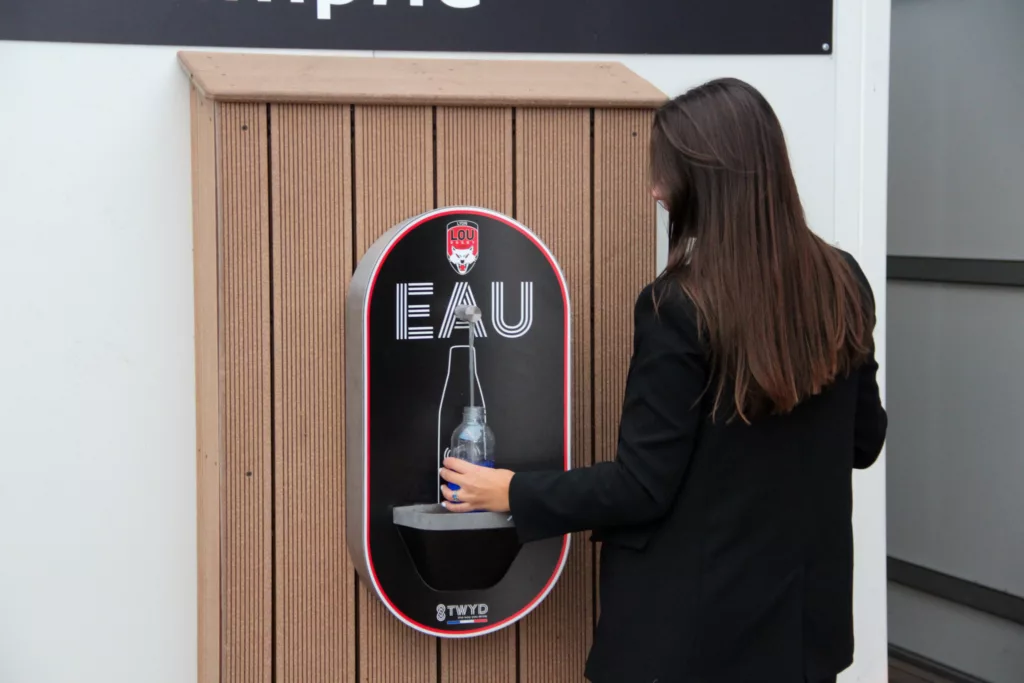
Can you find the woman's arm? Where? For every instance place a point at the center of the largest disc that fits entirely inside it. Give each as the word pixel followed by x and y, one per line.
pixel 657 432
pixel 870 421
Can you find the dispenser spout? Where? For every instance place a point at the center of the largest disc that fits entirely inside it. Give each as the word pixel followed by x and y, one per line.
pixel 469 314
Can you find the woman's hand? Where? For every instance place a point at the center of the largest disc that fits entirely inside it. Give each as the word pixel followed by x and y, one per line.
pixel 480 488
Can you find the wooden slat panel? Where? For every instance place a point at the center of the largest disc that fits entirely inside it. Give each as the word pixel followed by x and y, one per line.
pixel 485 659
pixel 474 157
pixel 625 235
pixel 245 325
pixel 553 188
pixel 474 167
pixel 312 261
pixel 624 258
pixel 208 426
pixel 394 161
pixel 394 168
pixel 264 77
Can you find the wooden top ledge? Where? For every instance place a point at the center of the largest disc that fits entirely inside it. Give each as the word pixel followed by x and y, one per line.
pixel 238 77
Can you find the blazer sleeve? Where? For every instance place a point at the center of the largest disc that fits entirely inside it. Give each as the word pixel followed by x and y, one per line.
pixel 871 421
pixel 657 433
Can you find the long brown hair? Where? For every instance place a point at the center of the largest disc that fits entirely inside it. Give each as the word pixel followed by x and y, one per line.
pixel 782 312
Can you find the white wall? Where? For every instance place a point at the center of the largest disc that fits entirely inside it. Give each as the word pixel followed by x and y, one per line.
pixel 97 499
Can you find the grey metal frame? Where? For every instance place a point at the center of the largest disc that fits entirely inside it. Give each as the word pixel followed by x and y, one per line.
pixel 985 272
pixel 355 385
pixel 355 433
pixel 981 598
pixel 930 666
pixel 995 272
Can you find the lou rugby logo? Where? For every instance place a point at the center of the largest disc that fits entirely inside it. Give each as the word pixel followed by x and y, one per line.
pixel 463 245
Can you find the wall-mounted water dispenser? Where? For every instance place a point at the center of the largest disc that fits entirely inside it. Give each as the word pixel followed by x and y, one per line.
pixel 457 342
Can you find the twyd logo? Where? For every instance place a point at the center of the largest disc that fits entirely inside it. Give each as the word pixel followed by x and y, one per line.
pixel 463 614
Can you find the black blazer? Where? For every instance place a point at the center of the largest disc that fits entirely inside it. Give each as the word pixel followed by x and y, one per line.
pixel 727 550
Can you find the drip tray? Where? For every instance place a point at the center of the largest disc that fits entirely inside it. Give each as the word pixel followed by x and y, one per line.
pixel 433 517
pixel 457 551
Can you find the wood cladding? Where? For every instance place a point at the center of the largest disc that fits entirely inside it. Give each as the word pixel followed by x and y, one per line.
pixel 245 472
pixel 312 259
pixel 286 197
pixel 624 258
pixel 394 152
pixel 474 157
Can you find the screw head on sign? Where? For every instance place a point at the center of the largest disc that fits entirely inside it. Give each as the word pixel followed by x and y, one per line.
pixel 825 47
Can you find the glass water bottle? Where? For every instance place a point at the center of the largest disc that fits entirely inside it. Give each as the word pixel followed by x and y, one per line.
pixel 473 440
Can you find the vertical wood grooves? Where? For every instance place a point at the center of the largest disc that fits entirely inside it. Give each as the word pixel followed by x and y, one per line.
pixel 474 167
pixel 515 174
pixel 624 257
pixel 312 262
pixel 394 169
pixel 553 178
pixel 624 261
pixel 474 157
pixel 245 312
pixel 208 404
pixel 433 142
pixel 273 410
pixel 353 249
pixel 394 179
pixel 592 547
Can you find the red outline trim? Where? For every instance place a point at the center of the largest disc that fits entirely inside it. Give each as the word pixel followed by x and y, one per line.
pixel 366 398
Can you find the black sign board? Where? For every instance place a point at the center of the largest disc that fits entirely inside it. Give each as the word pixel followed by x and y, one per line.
pixel 559 26
pixel 408 378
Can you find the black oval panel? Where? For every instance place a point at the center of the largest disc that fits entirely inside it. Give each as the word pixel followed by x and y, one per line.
pixel 417 381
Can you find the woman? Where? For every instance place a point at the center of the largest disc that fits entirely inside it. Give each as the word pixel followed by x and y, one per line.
pixel 725 518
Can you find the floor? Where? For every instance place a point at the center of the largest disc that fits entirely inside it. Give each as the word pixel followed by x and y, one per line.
pixel 901 672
